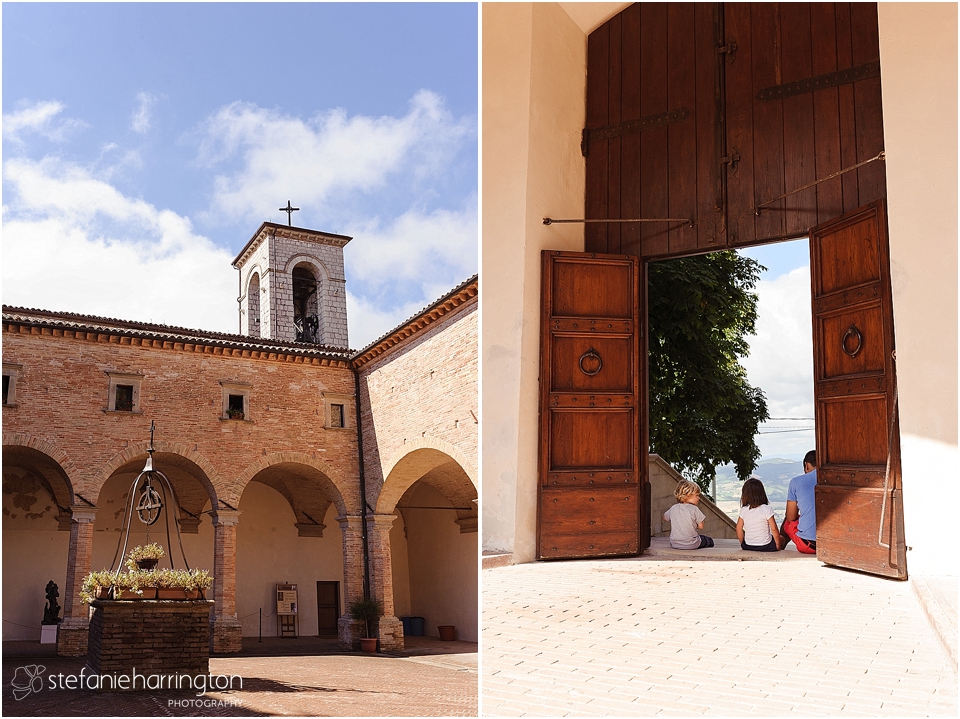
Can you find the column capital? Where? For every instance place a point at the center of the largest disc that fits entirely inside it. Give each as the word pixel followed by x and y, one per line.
pixel 381 522
pixel 83 515
pixel 350 521
pixel 226 517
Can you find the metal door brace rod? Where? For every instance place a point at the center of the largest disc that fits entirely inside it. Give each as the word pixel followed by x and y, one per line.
pixel 551 221
pixel 759 208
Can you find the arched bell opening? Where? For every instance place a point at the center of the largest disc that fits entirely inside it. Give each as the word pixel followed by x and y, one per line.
pixel 288 534
pixel 306 313
pixel 253 306
pixel 434 542
pixel 37 495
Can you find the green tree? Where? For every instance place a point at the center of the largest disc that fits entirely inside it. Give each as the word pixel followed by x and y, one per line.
pixel 703 412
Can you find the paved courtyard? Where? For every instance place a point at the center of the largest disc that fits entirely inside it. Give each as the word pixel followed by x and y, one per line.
pixel 431 678
pixel 682 637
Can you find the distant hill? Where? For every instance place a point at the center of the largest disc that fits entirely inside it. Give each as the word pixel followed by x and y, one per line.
pixel 774 473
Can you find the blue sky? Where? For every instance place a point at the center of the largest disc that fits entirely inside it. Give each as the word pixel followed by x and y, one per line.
pixel 144 143
pixel 781 353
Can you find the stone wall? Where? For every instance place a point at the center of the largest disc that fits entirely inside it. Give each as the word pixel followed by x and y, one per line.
pixel 663 484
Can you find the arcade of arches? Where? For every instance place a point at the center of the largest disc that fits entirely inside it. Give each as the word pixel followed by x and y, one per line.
pixel 270 497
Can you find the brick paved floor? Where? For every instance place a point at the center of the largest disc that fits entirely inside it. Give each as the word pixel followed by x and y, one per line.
pixel 422 683
pixel 650 637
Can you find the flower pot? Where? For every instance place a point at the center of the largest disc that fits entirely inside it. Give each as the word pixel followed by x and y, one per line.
pixel 147 564
pixel 369 644
pixel 145 593
pixel 448 632
pixel 103 593
pixel 173 593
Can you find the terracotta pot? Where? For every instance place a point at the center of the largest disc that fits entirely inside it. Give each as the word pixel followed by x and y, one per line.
pixel 448 632
pixel 172 593
pixel 369 644
pixel 146 593
pixel 103 593
pixel 147 563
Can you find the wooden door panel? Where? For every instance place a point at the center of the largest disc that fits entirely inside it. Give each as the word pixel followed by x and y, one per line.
pixel 858 495
pixel 857 428
pixel 605 364
pixel 591 473
pixel 851 258
pixel 583 439
pixel 602 292
pixel 595 544
pixel 848 347
pixel 577 511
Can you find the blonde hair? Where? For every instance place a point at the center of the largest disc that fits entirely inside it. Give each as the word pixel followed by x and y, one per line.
pixel 685 489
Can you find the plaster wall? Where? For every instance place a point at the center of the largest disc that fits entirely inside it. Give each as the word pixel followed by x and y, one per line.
pixel 400 566
pixel 442 565
pixel 918 55
pixel 534 79
pixel 30 535
pixel 270 552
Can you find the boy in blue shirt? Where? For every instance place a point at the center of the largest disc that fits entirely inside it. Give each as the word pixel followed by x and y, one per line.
pixel 800 524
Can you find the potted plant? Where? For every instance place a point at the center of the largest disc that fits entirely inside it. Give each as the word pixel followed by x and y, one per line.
pixel 97 585
pixel 145 556
pixel 234 413
pixel 366 611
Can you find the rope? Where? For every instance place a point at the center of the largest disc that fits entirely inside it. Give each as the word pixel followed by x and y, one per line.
pixel 21 625
pixel 886 477
pixel 758 208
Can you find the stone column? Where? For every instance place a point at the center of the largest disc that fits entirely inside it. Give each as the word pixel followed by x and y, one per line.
pixel 349 630
pixel 389 630
pixel 72 635
pixel 225 629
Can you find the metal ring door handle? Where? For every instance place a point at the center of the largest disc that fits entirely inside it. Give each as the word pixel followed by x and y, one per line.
pixel 593 358
pixel 852 332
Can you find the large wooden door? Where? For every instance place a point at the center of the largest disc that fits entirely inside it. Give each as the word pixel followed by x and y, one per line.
pixel 591 450
pixel 858 497
pixel 328 608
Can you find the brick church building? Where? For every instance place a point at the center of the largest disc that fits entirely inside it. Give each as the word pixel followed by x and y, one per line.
pixel 267 438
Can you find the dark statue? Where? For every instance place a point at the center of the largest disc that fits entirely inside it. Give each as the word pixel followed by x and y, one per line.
pixel 51 613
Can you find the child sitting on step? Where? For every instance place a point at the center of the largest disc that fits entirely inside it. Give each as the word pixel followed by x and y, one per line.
pixel 686 518
pixel 757 527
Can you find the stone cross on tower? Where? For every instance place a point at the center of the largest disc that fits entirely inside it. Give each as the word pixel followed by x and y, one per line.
pixel 289 210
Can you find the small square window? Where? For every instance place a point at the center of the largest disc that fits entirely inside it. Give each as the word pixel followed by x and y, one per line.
pixel 10 374
pixel 124 401
pixel 236 400
pixel 335 410
pixel 124 392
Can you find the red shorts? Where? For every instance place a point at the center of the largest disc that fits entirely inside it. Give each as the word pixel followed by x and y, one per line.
pixel 790 529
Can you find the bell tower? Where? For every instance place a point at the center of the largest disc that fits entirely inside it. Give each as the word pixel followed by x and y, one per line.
pixel 292 286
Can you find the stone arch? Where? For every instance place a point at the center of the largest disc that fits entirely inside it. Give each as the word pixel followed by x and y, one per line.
pixel 303 259
pixel 234 490
pixel 412 462
pixel 48 463
pixel 210 478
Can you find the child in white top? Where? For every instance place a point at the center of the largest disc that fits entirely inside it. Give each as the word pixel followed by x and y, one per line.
pixel 756 526
pixel 686 518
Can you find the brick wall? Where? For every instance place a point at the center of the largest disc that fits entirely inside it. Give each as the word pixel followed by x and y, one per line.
pixel 62 394
pixel 155 637
pixel 423 393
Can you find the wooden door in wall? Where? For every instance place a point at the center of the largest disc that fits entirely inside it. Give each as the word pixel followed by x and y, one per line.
pixel 592 450
pixel 858 498
pixel 328 608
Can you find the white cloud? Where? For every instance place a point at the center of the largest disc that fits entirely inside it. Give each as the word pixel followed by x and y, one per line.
pixel 140 121
pixel 73 242
pixel 283 156
pixel 40 118
pixel 781 359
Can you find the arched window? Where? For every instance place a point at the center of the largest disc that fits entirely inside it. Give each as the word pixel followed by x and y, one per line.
pixel 253 306
pixel 305 311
